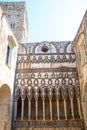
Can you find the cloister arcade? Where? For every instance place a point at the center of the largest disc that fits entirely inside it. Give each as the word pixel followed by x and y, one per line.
pixel 47 104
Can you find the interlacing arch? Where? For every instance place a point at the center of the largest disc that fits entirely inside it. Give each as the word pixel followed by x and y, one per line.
pixel 52 103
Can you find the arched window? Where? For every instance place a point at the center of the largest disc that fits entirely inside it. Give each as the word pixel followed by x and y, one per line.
pixel 54 106
pixel 68 107
pixel 26 108
pixel 47 106
pixel 75 105
pixel 19 105
pixel 61 106
pixel 40 106
pixel 33 107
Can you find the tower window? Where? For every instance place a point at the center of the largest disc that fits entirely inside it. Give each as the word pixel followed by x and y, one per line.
pixel 12 25
pixel 13 5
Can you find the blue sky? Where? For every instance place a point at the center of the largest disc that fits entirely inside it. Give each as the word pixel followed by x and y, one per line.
pixel 54 20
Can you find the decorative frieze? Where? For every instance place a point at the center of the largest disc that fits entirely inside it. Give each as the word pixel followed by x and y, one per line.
pixel 55 58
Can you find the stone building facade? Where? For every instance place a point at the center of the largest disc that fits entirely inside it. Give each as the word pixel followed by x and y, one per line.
pixel 8 57
pixel 50 78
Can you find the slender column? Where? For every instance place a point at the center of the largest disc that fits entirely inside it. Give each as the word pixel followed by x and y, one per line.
pixel 72 110
pixel 22 110
pixel 36 109
pixel 29 109
pixel 15 110
pixel 43 109
pixel 65 111
pixel 51 109
pixel 79 108
pixel 58 109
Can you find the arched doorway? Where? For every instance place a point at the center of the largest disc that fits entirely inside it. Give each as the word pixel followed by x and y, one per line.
pixel 5 107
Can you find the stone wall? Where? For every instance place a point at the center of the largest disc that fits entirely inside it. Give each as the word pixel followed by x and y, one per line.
pixel 7 71
pixel 80 46
pixel 17 19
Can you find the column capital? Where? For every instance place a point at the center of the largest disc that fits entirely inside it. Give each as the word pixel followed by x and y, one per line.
pixel 43 95
pixel 29 96
pixel 57 95
pixel 22 97
pixel 36 96
pixel 50 94
pixel 64 94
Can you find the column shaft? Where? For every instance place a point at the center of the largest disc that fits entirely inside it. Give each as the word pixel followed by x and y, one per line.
pixel 72 110
pixel 79 108
pixel 29 109
pixel 43 109
pixel 36 109
pixel 58 109
pixel 65 111
pixel 51 109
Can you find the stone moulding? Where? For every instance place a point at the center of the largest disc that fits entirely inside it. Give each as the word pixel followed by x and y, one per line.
pixel 46 124
pixel 60 69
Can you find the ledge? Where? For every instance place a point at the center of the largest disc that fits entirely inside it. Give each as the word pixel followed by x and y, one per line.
pixel 45 124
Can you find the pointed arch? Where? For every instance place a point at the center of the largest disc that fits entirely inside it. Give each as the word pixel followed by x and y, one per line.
pixel 61 106
pixel 47 105
pixel 68 107
pixel 75 105
pixel 19 107
pixel 26 107
pixel 33 110
pixel 40 105
pixel 54 105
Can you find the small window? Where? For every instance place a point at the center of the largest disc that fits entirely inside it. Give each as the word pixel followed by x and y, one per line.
pixel 13 5
pixel 12 25
pixel 9 53
pixel 8 15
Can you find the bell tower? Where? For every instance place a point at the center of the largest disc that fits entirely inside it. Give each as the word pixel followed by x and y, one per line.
pixel 17 19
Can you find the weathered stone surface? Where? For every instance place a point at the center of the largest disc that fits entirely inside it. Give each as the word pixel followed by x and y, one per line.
pixel 58 67
pixel 7 72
